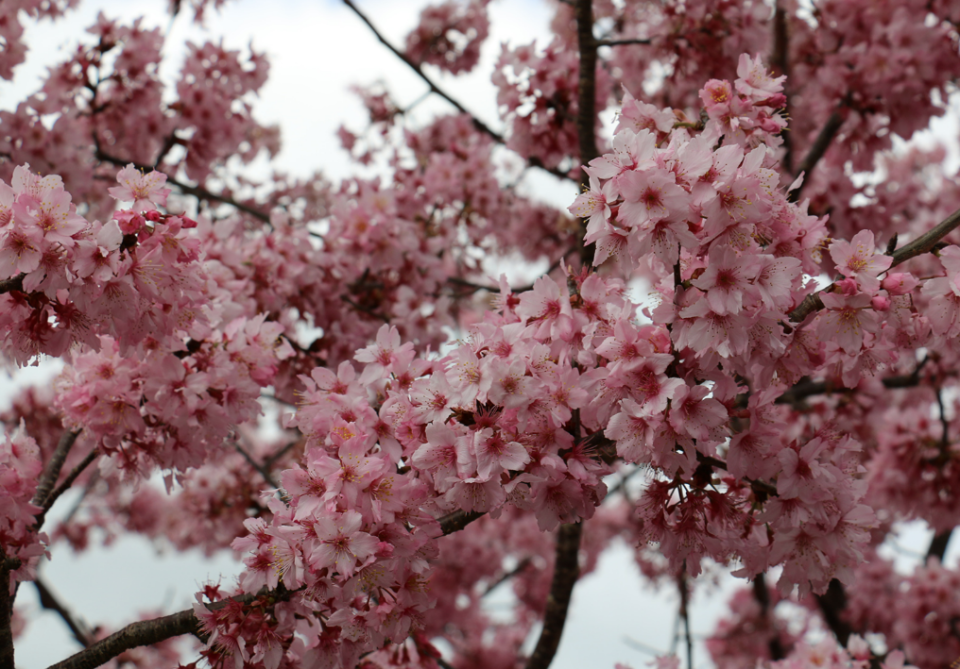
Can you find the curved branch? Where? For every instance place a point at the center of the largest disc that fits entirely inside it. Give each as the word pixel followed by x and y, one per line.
pixel 820 146
pixel 196 191
pixel 64 486
pixel 923 244
pixel 565 573
pixel 477 123
pixel 52 471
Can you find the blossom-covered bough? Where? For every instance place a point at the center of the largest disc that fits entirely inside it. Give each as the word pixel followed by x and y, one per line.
pixel 789 393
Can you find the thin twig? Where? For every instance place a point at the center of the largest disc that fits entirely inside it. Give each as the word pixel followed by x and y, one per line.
pixel 523 564
pixel 257 466
pixel 762 595
pixel 364 310
pixel 820 146
pixel 565 573
pixel 196 191
pixel 685 612
pixel 457 520
pixel 50 602
pixel 434 88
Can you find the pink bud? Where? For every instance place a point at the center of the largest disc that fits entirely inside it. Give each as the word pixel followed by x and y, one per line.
pixel 848 286
pixel 880 303
pixel 899 283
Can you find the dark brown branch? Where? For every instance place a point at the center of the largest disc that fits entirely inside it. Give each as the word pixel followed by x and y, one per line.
pixel 145 633
pixel 456 521
pixel 196 191
pixel 622 42
pixel 832 603
pixel 65 485
pixel 683 586
pixel 565 573
pixel 923 244
pixel 13 283
pixel 820 146
pixel 762 595
pixel 586 104
pixel 938 545
pixel 418 70
pixel 52 471
pixel 257 466
pixel 50 602
pixel 149 632
pixel 805 389
pixel 521 566
pixel 586 86
pixel 364 310
pixel 780 60
pixel 6 613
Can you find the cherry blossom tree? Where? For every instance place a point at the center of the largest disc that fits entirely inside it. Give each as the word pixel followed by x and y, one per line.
pixel 787 395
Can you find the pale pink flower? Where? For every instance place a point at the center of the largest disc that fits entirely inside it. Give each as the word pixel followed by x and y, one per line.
pixel 145 190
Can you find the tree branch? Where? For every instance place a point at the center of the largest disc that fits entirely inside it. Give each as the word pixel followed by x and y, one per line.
pixel 6 613
pixel 64 486
pixel 682 585
pixel 923 244
pixel 456 521
pixel 50 602
pixel 196 191
pixel 780 60
pixel 477 123
pixel 938 545
pixel 622 42
pixel 762 595
pixel 832 603
pixel 147 632
pixel 143 633
pixel 565 573
pixel 13 283
pixel 586 106
pixel 52 471
pixel 820 146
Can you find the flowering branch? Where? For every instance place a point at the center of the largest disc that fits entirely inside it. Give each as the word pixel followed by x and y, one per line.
pixel 196 191
pixel 565 573
pixel 923 244
pixel 147 632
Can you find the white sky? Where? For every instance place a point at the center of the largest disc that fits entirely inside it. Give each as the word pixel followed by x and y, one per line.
pixel 317 49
